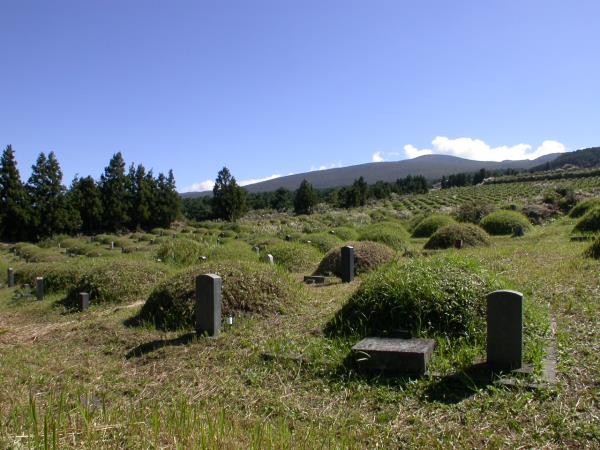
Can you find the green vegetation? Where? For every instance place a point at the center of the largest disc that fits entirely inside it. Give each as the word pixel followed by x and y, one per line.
pixel 593 251
pixel 589 222
pixel 431 224
pixel 505 222
pixel 367 256
pixel 294 256
pixel 446 237
pixel 388 233
pixel 305 198
pixel 584 206
pixel 181 252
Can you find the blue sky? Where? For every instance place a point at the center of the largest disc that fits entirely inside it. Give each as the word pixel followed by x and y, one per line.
pixel 277 87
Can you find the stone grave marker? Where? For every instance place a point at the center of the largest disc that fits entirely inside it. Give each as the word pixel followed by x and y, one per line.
pixel 505 330
pixel 409 356
pixel 347 264
pixel 39 288
pixel 458 244
pixel 11 277
pixel 269 259
pixel 208 304
pixel 314 279
pixel 84 301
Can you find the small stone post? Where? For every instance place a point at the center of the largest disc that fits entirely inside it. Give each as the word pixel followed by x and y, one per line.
pixel 458 244
pixel 208 304
pixel 505 330
pixel 39 288
pixel 270 259
pixel 11 277
pixel 257 250
pixel 347 264
pixel 84 301
pixel 112 245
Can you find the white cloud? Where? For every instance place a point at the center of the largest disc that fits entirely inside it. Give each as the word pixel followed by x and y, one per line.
pixel 324 167
pixel 209 184
pixel 377 157
pixel 478 150
pixel 383 156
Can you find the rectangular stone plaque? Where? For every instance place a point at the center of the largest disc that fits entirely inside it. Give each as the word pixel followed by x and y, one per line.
pixel 316 279
pixel 208 304
pixel 394 355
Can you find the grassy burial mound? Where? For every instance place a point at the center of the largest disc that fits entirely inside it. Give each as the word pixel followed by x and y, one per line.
pixel 504 222
pixel 247 289
pixel 430 224
pixel 323 241
pixel 584 206
pixel 436 296
pixel 446 237
pixel 589 222
pixel 59 276
pixel 294 256
pixel 345 233
pixel 389 233
pixel 367 256
pixel 181 252
pixel 593 251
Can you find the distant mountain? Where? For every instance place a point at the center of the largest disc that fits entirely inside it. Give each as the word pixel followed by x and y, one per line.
pixel 584 158
pixel 432 167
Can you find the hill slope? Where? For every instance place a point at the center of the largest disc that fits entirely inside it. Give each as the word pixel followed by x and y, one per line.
pixel 431 167
pixel 584 158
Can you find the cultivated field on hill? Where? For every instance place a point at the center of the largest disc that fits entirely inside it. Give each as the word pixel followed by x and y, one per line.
pixel 130 372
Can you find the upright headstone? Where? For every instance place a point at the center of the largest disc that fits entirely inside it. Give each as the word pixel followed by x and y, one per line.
pixel 270 259
pixel 39 288
pixel 347 264
pixel 505 330
pixel 257 250
pixel 112 245
pixel 11 277
pixel 208 304
pixel 458 244
pixel 84 301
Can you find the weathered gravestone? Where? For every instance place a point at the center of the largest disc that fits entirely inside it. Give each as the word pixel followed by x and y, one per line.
pixel 257 250
pixel 314 279
pixel 458 244
pixel 39 288
pixel 84 301
pixel 269 259
pixel 408 356
pixel 11 277
pixel 347 264
pixel 505 330
pixel 208 304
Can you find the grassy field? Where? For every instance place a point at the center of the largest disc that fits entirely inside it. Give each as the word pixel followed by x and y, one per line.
pixel 91 380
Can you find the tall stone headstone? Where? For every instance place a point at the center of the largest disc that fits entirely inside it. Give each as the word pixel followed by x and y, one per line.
pixel 112 245
pixel 347 264
pixel 458 244
pixel 505 330
pixel 39 288
pixel 11 277
pixel 269 259
pixel 84 301
pixel 208 304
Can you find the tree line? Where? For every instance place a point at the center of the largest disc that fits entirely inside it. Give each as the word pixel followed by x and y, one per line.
pixel 231 201
pixel 120 200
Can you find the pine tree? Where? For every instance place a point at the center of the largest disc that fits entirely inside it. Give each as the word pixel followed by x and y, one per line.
pixel 50 211
pixel 141 197
pixel 282 200
pixel 305 198
pixel 85 197
pixel 14 205
pixel 115 196
pixel 229 199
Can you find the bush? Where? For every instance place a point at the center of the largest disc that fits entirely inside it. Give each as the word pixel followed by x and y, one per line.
pixel 446 237
pixel 367 256
pixel 593 251
pixel 589 222
pixel 323 241
pixel 431 224
pixel 538 214
pixel 294 256
pixel 118 281
pixel 247 288
pixel 504 222
pixel 436 296
pixel 474 211
pixel 584 206
pixel 181 252
pixel 389 233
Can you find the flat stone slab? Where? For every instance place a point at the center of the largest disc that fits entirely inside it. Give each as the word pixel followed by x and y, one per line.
pixel 394 355
pixel 314 279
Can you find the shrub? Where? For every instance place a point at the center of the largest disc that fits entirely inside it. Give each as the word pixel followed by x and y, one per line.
pixel 294 256
pixel 474 211
pixel 180 252
pixel 589 222
pixel 538 214
pixel 247 288
pixel 428 296
pixel 117 281
pixel 323 241
pixel 367 256
pixel 471 235
pixel 431 224
pixel 389 233
pixel 504 222
pixel 584 206
pixel 593 251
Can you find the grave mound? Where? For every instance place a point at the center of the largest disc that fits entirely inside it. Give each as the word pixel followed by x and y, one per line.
pixel 181 252
pixel 322 241
pixel 593 251
pixel 294 256
pixel 430 224
pixel 367 256
pixel 589 222
pixel 505 222
pixel 389 233
pixel 345 233
pixel 446 237
pixel 584 206
pixel 434 296
pixel 247 288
